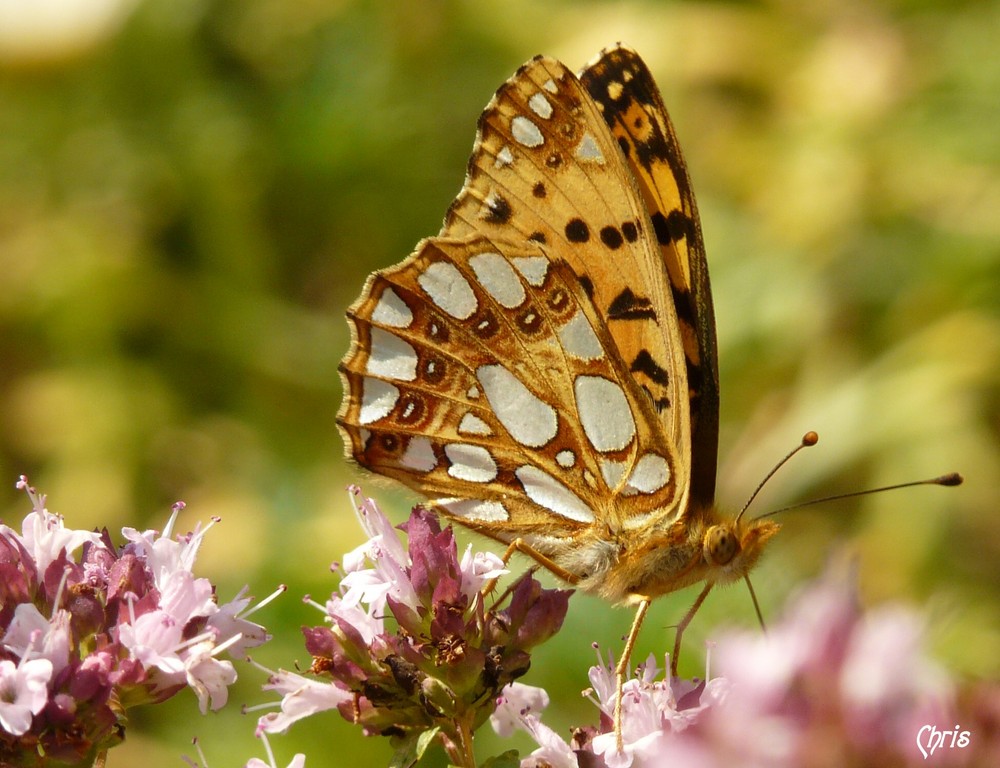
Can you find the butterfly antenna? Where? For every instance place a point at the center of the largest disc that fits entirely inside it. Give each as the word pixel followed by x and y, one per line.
pixel 951 479
pixel 809 439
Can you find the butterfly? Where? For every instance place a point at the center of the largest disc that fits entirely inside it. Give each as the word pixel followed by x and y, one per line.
pixel 545 368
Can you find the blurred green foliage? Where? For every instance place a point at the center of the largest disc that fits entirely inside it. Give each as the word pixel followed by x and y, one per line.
pixel 190 198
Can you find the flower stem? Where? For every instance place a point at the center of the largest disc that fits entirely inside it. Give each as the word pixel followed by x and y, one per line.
pixel 465 742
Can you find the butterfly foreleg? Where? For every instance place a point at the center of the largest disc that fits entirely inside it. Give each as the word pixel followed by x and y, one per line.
pixel 683 625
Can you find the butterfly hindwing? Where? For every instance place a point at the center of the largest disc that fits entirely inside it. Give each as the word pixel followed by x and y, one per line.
pixel 482 376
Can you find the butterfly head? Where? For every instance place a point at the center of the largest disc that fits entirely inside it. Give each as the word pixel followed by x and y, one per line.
pixel 703 547
pixel 732 548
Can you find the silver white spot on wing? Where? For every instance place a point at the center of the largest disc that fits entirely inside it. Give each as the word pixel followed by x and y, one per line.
pixel 651 473
pixel 532 268
pixel 566 458
pixel 540 106
pixel 377 399
pixel 588 150
pixel 392 311
pixel 472 393
pixel 473 425
pixel 499 279
pixel 419 455
pixel 529 420
pixel 604 413
pixel 391 357
pixel 525 132
pixel 470 462
pixel 550 86
pixel 448 289
pixel 408 410
pixel 504 157
pixel 546 491
pixel 613 471
pixel 579 339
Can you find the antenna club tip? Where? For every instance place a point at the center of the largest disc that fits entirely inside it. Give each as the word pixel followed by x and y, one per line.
pixel 952 478
pixel 810 438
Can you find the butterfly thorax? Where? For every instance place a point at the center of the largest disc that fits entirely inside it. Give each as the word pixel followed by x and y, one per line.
pixel 702 547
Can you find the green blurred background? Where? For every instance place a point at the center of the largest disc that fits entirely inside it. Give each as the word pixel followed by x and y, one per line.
pixel 192 192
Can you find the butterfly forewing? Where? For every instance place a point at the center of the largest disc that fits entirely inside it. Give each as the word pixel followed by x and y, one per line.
pixel 546 168
pixel 483 377
pixel 623 88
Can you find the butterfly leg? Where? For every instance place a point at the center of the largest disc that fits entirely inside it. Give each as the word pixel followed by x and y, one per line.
pixel 683 625
pixel 519 545
pixel 622 669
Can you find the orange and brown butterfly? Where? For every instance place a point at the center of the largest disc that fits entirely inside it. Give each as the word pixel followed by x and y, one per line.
pixel 545 368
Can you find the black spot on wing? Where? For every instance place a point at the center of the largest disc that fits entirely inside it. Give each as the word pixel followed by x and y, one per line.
pixel 696 378
pixel 661 229
pixel 577 231
pixel 612 238
pixel 644 363
pixel 673 227
pixel 684 306
pixel 627 306
pixel 498 210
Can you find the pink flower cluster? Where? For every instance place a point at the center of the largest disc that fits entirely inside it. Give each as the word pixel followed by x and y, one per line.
pixel 654 710
pixel 90 630
pixel 411 647
pixel 829 685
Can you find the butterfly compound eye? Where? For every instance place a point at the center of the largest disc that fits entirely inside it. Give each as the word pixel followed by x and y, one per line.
pixel 720 544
